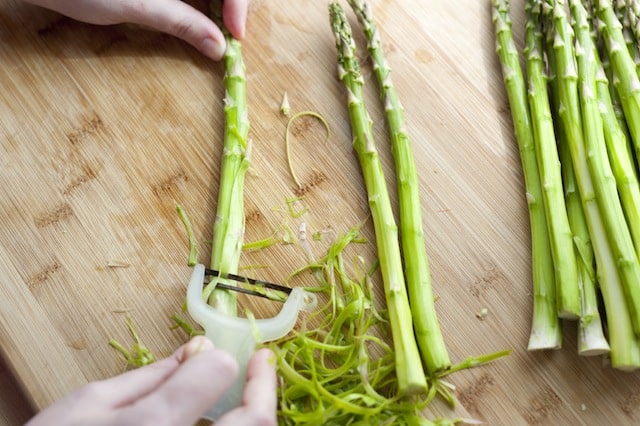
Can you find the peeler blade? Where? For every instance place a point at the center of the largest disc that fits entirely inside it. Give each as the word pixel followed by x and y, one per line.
pixel 239 336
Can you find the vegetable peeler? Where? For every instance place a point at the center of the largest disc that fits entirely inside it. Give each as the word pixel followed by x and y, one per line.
pixel 239 336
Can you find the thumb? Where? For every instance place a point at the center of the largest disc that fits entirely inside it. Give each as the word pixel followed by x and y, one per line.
pixel 234 15
pixel 179 19
pixel 202 378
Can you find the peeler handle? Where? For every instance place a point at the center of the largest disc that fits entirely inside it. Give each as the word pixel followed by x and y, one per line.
pixel 239 336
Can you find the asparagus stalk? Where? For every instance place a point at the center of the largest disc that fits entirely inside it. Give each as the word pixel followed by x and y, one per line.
pixel 591 339
pixel 568 110
pixel 409 370
pixel 418 278
pixel 228 228
pixel 622 13
pixel 619 7
pixel 608 71
pixel 599 167
pixel 623 66
pixel 624 350
pixel 615 101
pixel 545 328
pixel 633 17
pixel 560 236
pixel 630 29
pixel 624 345
pixel 621 159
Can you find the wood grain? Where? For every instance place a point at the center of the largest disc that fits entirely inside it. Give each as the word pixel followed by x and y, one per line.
pixel 103 130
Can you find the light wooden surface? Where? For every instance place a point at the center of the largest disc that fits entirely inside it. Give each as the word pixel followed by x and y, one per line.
pixel 103 130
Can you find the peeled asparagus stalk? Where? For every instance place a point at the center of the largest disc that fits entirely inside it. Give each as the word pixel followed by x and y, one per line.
pixel 409 370
pixel 416 262
pixel 228 228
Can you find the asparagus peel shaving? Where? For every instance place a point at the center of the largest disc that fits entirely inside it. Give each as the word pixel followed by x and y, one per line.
pixel 410 373
pixel 546 332
pixel 418 279
pixel 228 228
pixel 342 371
pixel 193 246
pixel 139 355
pixel 287 142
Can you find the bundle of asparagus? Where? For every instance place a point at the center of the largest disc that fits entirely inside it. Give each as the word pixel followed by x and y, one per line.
pixel 577 147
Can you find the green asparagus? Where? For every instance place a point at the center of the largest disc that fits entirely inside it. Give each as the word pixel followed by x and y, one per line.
pixel 410 373
pixel 624 347
pixel 228 228
pixel 545 328
pixel 416 263
pixel 560 236
pixel 624 69
pixel 599 168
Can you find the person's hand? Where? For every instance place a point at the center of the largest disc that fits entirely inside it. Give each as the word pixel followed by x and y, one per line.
pixel 174 391
pixel 174 17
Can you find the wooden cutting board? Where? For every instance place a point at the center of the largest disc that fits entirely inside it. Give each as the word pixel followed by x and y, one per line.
pixel 103 130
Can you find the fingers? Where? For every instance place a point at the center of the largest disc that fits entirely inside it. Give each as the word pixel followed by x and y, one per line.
pixel 102 397
pixel 260 397
pixel 173 17
pixel 234 16
pixel 179 19
pixel 203 377
pixel 260 390
pixel 121 390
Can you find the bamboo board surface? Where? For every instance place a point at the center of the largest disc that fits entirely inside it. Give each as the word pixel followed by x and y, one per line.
pixel 103 130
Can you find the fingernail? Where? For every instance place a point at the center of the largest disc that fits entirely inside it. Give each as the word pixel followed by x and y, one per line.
pixel 195 346
pixel 212 48
pixel 268 355
pixel 242 31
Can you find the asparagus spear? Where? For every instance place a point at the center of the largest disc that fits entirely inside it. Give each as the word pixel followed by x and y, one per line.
pixel 615 101
pixel 560 236
pixel 228 229
pixel 598 165
pixel 545 328
pixel 591 339
pixel 622 13
pixel 630 28
pixel 624 69
pixel 624 345
pixel 410 373
pixel 624 349
pixel 428 334
pixel 621 159
pixel 633 20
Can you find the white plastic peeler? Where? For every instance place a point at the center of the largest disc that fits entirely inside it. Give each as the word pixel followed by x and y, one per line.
pixel 239 336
